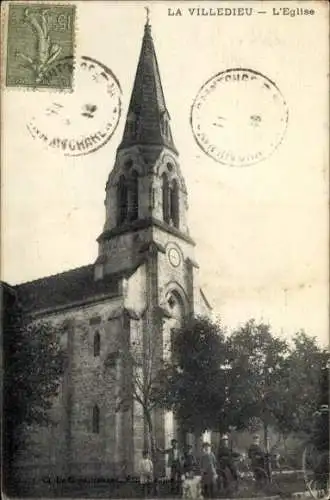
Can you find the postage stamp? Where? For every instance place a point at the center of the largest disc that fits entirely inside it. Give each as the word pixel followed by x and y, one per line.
pixel 239 117
pixel 82 122
pixel 38 35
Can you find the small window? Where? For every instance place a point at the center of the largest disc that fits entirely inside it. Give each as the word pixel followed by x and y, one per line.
pixel 162 123
pixel 166 128
pixel 132 122
pixel 111 360
pixel 96 420
pixel 171 302
pixel 128 164
pixel 153 198
pixel 97 344
pixel 96 320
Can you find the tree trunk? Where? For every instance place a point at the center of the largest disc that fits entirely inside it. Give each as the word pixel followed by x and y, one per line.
pixel 268 458
pixel 148 419
pixel 285 445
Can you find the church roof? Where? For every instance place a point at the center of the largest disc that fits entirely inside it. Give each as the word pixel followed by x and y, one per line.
pixel 74 286
pixel 147 119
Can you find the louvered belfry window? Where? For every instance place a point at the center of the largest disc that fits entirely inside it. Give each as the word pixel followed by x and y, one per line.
pixel 122 200
pixel 165 188
pixel 134 192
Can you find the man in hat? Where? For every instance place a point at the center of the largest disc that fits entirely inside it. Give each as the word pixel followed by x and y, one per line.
pixel 226 461
pixel 175 463
pixel 208 466
pixel 257 457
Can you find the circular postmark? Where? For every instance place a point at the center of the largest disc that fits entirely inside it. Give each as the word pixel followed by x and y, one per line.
pixel 239 117
pixel 83 121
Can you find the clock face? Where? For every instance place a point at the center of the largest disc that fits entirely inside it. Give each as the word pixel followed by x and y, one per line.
pixel 174 257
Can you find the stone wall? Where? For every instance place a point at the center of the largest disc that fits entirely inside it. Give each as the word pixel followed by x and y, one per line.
pixel 69 445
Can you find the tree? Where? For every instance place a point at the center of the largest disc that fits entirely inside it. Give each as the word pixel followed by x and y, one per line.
pixel 321 429
pixel 141 362
pixel 301 384
pixel 193 383
pixel 318 440
pixel 256 359
pixel 33 366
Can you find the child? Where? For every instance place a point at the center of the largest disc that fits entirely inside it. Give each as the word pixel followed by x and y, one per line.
pixel 192 486
pixel 146 470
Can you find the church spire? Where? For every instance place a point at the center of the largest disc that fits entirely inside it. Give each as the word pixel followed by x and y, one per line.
pixel 148 121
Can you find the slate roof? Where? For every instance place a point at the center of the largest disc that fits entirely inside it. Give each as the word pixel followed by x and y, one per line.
pixel 147 105
pixel 76 285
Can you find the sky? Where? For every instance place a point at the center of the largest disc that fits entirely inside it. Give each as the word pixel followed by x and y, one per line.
pixel 261 231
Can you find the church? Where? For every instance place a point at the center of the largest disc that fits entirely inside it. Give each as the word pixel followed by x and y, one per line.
pixel 144 281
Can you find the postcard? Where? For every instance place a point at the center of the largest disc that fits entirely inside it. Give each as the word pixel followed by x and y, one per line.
pixel 161 161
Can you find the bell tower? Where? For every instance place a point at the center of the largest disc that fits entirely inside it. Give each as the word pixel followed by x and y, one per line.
pixel 145 237
pixel 145 189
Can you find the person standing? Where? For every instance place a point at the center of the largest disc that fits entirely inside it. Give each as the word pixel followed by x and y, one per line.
pixel 257 457
pixel 175 463
pixel 226 462
pixel 189 460
pixel 146 470
pixel 208 466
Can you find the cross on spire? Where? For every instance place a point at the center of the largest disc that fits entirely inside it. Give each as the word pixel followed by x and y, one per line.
pixel 147 16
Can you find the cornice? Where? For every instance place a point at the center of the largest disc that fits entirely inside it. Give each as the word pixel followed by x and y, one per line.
pixel 134 226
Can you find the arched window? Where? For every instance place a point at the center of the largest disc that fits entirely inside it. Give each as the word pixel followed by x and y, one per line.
pixel 122 200
pixel 175 203
pixel 166 208
pixel 134 198
pixel 96 420
pixel 177 310
pixel 97 344
pixel 176 307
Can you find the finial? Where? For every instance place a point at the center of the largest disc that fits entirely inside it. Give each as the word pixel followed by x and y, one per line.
pixel 148 18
